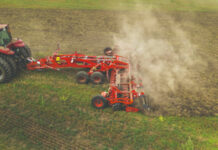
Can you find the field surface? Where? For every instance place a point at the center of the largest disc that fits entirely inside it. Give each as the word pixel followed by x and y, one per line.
pixel 182 5
pixel 49 110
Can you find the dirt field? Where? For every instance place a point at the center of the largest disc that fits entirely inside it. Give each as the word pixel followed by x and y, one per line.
pixel 92 30
pixel 43 29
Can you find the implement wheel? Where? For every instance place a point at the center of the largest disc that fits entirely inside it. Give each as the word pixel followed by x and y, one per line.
pixel 108 51
pixel 99 102
pixel 82 77
pixel 97 78
pixel 5 71
pixel 118 107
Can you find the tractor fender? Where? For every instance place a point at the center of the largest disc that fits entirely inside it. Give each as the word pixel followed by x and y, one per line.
pixel 17 43
pixel 6 51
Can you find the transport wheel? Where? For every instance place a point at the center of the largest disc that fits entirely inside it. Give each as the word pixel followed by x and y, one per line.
pixel 118 107
pixel 10 60
pixel 5 71
pixel 108 51
pixel 82 77
pixel 99 102
pixel 97 78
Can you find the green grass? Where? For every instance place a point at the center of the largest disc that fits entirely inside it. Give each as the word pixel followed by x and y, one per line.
pixel 54 100
pixel 183 5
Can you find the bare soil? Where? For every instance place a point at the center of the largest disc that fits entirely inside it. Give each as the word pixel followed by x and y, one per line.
pixel 92 29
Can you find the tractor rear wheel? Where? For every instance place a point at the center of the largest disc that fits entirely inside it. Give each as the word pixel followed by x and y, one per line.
pixel 99 102
pixel 5 71
pixel 82 77
pixel 28 51
pixel 23 54
pixel 10 60
pixel 97 78
pixel 25 51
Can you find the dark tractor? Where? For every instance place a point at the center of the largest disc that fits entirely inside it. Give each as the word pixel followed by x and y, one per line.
pixel 13 54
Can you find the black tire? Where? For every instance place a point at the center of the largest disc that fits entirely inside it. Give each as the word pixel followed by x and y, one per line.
pixel 5 71
pixel 24 53
pixel 97 78
pixel 11 61
pixel 82 77
pixel 107 50
pixel 99 102
pixel 118 107
pixel 28 51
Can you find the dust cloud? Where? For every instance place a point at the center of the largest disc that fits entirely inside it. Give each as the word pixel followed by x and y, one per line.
pixel 161 54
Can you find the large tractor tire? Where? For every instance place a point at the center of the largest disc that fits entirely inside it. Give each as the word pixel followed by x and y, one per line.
pixel 82 77
pixel 99 102
pixel 28 51
pixel 97 78
pixel 5 71
pixel 25 52
pixel 11 61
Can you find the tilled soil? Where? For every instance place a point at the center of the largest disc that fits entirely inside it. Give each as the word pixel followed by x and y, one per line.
pixel 74 30
pixel 91 30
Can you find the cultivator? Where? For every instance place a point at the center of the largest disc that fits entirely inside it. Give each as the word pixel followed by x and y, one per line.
pixel 123 91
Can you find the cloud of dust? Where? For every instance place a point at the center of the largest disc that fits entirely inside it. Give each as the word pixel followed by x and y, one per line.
pixel 161 54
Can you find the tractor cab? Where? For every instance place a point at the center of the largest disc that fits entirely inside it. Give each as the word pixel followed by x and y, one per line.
pixel 5 35
pixel 13 54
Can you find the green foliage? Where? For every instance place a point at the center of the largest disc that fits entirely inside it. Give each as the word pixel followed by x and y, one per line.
pixel 188 145
pixel 64 106
pixel 187 5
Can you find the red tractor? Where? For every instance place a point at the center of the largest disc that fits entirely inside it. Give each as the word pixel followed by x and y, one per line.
pixel 13 54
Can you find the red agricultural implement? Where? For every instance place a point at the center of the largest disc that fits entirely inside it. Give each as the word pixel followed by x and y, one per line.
pixel 122 93
pixel 99 66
